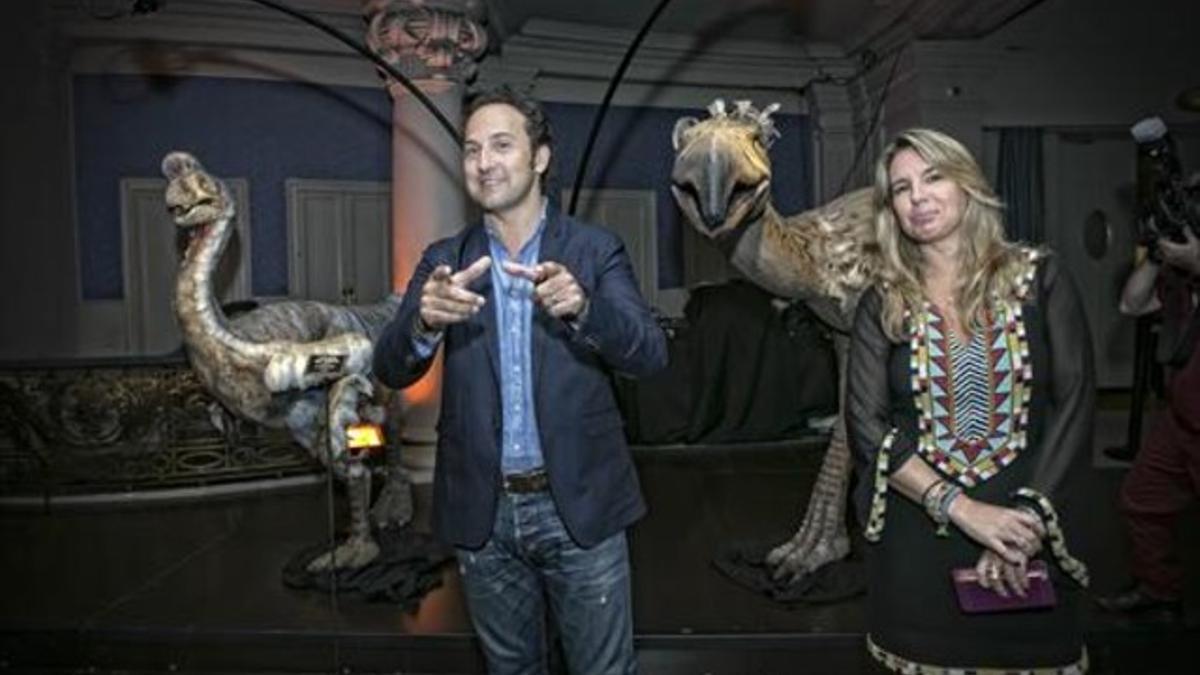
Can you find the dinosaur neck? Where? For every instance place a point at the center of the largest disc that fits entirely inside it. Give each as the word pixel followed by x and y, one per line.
pixel 768 254
pixel 200 317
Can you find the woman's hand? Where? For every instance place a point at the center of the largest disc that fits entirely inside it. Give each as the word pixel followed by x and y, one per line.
pixel 1000 576
pixel 1015 535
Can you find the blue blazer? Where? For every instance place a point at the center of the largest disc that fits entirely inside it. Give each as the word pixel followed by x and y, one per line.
pixel 592 477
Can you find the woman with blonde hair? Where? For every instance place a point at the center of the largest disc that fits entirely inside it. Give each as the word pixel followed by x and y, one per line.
pixel 969 403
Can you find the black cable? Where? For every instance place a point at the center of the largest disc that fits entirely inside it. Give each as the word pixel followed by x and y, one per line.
pixel 375 58
pixel 332 518
pixel 862 146
pixel 333 569
pixel 612 88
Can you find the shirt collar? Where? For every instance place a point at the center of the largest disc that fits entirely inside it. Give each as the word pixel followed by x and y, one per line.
pixel 494 234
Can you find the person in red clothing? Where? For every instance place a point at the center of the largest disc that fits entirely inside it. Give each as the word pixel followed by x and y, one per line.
pixel 1165 479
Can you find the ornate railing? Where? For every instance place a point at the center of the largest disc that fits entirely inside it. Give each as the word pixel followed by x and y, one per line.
pixel 121 425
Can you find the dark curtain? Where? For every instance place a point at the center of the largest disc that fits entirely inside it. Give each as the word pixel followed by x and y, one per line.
pixel 740 371
pixel 1019 181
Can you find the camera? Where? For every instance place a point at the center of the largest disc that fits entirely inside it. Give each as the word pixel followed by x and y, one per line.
pixel 1166 203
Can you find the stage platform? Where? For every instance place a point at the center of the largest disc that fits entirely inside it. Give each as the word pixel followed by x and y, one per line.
pixel 195 586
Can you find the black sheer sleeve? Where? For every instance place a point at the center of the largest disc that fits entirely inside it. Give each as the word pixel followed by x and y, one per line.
pixel 1069 384
pixel 869 420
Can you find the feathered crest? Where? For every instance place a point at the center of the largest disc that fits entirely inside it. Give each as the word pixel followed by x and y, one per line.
pixel 744 111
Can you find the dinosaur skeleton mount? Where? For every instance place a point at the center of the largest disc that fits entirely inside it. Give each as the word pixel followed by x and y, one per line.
pixel 722 182
pixel 300 365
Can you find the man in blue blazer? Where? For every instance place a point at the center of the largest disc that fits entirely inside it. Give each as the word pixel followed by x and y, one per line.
pixel 534 483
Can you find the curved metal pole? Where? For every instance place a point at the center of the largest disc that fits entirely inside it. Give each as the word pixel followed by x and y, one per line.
pixel 612 88
pixel 358 47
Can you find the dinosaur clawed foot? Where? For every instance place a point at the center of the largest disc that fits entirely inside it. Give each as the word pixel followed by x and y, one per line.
pixel 355 552
pixel 818 542
pixel 792 560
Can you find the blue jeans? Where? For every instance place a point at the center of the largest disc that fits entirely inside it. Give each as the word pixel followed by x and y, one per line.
pixel 531 560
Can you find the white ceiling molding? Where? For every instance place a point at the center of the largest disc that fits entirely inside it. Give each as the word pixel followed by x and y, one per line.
pixel 554 49
pixel 216 38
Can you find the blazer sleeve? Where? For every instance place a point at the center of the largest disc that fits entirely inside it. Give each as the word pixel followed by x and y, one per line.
pixel 398 360
pixel 619 326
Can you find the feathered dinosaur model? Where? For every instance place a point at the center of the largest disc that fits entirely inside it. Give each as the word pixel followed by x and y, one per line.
pixel 722 182
pixel 300 365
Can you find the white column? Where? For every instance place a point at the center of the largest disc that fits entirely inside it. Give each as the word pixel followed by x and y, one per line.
pixel 434 43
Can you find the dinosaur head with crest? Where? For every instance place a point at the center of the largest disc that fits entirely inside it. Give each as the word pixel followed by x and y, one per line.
pixel 722 175
pixel 199 203
pixel 722 182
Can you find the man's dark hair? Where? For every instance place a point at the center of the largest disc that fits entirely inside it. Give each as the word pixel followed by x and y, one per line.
pixel 537 126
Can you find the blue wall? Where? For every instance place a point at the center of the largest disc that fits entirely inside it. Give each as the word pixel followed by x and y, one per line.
pixel 263 131
pixel 268 132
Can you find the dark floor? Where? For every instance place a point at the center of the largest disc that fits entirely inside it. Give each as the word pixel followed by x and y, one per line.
pixel 196 587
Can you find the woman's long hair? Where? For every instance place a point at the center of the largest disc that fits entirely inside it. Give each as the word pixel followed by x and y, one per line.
pixel 989 266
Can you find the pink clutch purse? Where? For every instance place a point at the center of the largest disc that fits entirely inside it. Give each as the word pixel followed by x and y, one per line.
pixel 975 599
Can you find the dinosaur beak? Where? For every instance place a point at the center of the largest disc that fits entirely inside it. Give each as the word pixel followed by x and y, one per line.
pixel 713 212
pixel 708 210
pixel 689 203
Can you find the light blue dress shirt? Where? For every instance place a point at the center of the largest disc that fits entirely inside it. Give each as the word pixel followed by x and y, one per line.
pixel 520 446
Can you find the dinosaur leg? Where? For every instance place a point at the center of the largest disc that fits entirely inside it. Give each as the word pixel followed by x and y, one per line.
pixel 360 548
pixel 822 537
pixel 394 506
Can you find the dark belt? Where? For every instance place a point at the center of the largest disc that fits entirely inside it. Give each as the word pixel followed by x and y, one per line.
pixel 532 481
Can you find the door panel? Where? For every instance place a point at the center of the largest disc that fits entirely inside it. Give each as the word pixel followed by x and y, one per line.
pixel 369 223
pixel 339 238
pixel 631 215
